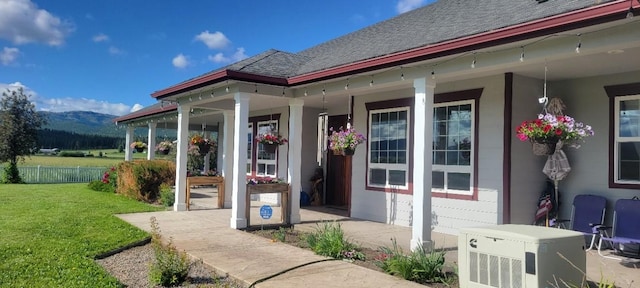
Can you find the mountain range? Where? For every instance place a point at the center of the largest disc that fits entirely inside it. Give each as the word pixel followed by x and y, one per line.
pixel 82 122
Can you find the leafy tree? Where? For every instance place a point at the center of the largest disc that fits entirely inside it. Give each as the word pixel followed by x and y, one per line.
pixel 19 124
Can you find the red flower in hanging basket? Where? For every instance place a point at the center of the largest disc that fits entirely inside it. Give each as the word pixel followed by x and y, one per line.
pixel 549 128
pixel 271 138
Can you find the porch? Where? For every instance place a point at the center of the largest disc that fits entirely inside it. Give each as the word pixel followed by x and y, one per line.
pixel 205 234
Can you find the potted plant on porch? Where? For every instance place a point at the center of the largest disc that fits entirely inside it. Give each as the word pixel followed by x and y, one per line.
pixel 344 142
pixel 164 147
pixel 138 145
pixel 271 141
pixel 545 132
pixel 204 144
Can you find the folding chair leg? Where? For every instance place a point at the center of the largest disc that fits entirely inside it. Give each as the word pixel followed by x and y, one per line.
pixel 606 256
pixel 593 242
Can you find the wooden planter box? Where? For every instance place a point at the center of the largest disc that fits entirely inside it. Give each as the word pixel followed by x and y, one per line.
pixel 218 181
pixel 282 188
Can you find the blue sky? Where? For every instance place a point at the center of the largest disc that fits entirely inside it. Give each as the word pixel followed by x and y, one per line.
pixel 109 56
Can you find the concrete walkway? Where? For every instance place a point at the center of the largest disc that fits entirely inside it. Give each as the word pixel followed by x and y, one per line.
pixel 205 234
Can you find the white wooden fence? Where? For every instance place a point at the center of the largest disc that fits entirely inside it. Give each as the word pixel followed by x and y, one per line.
pixel 50 174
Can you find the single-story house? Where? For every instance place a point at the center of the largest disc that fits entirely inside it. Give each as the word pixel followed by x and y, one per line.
pixel 438 92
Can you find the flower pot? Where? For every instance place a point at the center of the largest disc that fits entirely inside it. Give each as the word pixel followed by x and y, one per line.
pixel 544 148
pixel 270 148
pixel 164 152
pixel 337 152
pixel 349 151
pixel 139 149
pixel 204 149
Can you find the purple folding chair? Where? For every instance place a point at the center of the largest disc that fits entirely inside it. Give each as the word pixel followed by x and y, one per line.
pixel 626 227
pixel 587 213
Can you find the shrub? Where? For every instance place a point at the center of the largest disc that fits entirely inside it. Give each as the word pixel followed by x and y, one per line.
pixel 11 174
pixel 142 179
pixel 328 240
pixel 97 185
pixel 71 154
pixel 170 267
pixel 419 266
pixel 167 196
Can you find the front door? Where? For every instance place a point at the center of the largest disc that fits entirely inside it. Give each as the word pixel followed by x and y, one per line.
pixel 338 191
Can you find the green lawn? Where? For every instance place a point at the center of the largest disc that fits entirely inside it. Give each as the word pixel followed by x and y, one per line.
pixel 110 158
pixel 49 234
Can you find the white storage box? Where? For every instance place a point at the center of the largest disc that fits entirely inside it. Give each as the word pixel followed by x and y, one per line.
pixel 520 256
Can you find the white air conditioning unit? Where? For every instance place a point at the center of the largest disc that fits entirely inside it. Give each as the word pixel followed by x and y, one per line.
pixel 516 256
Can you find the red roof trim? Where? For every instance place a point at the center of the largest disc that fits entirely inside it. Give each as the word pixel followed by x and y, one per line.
pixel 575 19
pixel 216 78
pixel 147 112
pixel 440 49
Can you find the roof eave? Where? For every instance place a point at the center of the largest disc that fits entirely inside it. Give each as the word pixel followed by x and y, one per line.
pixel 568 21
pixel 145 113
pixel 217 77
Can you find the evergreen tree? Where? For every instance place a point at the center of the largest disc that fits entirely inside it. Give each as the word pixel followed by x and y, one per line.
pixel 19 124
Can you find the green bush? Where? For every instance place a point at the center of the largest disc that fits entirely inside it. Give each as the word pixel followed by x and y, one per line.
pixel 71 154
pixel 419 266
pixel 167 196
pixel 97 185
pixel 11 174
pixel 328 240
pixel 170 267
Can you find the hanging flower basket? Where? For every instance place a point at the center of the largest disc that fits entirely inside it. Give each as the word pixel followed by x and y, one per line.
pixel 543 148
pixel 349 152
pixel 545 131
pixel 344 142
pixel 204 149
pixel 270 148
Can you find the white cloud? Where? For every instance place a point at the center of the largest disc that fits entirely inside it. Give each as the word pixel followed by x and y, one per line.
pixel 220 58
pixel 113 50
pixel 100 38
pixel 22 22
pixel 408 5
pixel 215 40
pixel 71 104
pixel 180 61
pixel 9 55
pixel 136 107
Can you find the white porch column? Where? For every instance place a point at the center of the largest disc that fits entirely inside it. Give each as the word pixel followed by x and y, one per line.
pixel 128 151
pixel 295 156
pixel 151 146
pixel 227 155
pixel 207 158
pixel 239 194
pixel 220 145
pixel 181 158
pixel 423 155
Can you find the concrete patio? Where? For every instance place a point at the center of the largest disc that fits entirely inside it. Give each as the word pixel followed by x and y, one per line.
pixel 205 234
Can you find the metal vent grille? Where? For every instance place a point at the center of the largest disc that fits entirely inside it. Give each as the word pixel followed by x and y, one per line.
pixel 495 271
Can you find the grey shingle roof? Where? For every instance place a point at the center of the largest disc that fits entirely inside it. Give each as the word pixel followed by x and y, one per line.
pixel 441 21
pixel 435 23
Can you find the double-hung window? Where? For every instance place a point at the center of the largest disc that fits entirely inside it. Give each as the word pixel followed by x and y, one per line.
pixel 250 149
pixel 627 140
pixel 453 138
pixel 389 148
pixel 265 161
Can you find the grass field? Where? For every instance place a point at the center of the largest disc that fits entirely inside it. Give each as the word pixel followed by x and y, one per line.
pixel 110 158
pixel 50 234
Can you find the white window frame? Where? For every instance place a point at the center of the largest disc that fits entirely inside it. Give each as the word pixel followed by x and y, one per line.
pixel 250 150
pixel 617 139
pixel 458 168
pixel 259 148
pixel 386 166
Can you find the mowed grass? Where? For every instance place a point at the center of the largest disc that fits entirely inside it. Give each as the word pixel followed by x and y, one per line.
pixel 110 158
pixel 50 233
